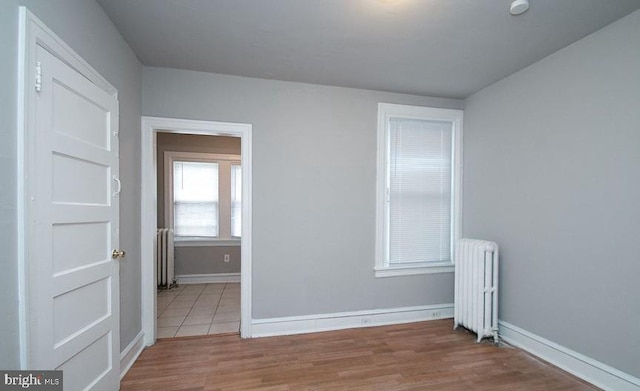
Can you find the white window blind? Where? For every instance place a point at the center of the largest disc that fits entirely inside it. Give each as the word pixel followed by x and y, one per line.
pixel 195 197
pixel 419 186
pixel 236 200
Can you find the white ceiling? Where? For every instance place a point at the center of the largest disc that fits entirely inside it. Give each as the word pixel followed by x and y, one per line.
pixel 446 48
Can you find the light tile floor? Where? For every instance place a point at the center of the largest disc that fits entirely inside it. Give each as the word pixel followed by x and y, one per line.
pixel 199 309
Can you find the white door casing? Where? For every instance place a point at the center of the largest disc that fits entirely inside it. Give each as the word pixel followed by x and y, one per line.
pixel 148 206
pixel 71 186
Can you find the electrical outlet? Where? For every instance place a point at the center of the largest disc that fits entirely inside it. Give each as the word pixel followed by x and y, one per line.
pixel 226 258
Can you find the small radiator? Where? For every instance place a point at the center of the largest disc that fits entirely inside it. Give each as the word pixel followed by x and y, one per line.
pixel 164 258
pixel 476 287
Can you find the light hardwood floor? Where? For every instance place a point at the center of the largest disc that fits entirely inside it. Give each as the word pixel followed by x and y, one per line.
pixel 416 356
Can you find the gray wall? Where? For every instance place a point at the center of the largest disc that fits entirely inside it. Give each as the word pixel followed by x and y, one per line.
pixel 314 169
pixel 9 358
pixel 207 259
pixel 197 259
pixel 552 173
pixel 84 26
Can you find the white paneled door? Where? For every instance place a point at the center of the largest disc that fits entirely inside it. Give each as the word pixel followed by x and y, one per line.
pixel 73 256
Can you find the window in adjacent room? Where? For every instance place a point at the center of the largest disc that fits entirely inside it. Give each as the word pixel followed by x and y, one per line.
pixel 418 219
pixel 203 196
pixel 236 200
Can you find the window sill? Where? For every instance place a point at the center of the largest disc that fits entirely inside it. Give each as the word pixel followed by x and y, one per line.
pixel 397 271
pixel 205 242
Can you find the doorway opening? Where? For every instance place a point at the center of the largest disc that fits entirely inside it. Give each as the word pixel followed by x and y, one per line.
pixel 199 221
pixel 196 182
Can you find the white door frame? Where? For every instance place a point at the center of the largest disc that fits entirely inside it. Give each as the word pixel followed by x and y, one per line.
pixel 148 208
pixel 32 33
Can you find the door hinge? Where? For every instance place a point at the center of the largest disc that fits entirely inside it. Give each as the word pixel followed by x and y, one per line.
pixel 38 76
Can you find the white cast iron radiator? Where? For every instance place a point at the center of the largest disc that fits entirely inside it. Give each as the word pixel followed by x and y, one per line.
pixel 476 287
pixel 164 258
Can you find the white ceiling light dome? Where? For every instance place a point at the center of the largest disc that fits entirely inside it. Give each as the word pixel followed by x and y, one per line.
pixel 519 7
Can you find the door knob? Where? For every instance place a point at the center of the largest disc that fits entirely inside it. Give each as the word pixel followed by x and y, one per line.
pixel 118 254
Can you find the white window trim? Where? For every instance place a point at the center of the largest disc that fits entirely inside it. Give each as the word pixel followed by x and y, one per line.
pixel 386 111
pixel 224 216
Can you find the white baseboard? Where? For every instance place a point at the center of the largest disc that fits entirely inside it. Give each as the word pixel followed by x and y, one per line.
pixel 586 368
pixel 207 278
pixel 130 354
pixel 348 320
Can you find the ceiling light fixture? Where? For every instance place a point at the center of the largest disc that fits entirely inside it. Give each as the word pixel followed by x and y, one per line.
pixel 519 7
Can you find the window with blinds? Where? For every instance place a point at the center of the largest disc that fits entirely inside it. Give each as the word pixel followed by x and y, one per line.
pixel 418 186
pixel 195 199
pixel 236 200
pixel 420 182
pixel 203 196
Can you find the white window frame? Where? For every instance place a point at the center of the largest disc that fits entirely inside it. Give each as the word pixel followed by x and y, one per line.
pixel 387 111
pixel 224 216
